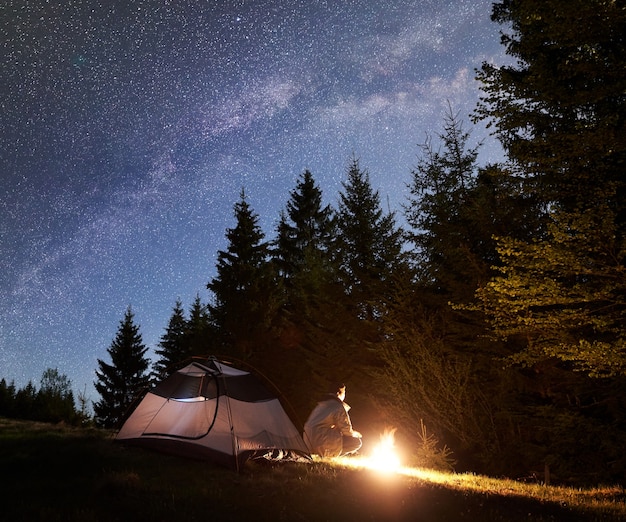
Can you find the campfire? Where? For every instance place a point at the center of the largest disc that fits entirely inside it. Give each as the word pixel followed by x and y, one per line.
pixel 384 456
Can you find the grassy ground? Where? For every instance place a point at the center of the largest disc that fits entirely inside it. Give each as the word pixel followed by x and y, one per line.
pixel 57 473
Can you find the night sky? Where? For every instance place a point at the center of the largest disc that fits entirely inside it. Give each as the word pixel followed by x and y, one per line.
pixel 128 129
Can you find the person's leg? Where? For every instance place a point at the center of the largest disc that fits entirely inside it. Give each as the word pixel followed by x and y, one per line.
pixel 350 444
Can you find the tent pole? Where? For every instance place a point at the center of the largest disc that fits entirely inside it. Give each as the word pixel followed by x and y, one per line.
pixel 233 435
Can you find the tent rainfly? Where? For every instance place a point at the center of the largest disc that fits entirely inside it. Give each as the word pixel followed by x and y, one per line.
pixel 212 410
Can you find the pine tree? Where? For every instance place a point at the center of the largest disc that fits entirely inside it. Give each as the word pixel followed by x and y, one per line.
pixel 302 249
pixel 26 401
pixel 437 211
pixel 454 210
pixel 368 255
pixel 174 343
pixel 125 378
pixel 245 294
pixel 560 113
pixel 302 255
pixel 7 398
pixel 560 110
pixel 198 329
pixel 369 243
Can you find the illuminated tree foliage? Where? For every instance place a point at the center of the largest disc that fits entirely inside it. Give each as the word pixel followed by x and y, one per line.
pixel 565 296
pixel 560 112
pixel 424 377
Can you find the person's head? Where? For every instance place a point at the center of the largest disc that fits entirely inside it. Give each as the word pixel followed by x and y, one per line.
pixel 339 389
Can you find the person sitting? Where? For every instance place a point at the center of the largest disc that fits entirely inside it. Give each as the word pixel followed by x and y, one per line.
pixel 328 430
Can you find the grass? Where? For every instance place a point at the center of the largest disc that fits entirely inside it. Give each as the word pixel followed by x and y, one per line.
pixel 58 473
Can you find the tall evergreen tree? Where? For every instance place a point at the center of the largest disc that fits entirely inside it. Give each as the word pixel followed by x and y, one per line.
pixel 174 344
pixel 245 298
pixel 560 113
pixel 26 402
pixel 369 243
pixel 302 254
pixel 454 210
pixel 437 211
pixel 198 329
pixel 125 378
pixel 305 234
pixel 560 109
pixel 7 398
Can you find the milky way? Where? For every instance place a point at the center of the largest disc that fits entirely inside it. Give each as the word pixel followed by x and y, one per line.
pixel 128 130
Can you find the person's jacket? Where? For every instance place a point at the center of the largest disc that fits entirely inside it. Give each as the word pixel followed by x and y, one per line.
pixel 328 422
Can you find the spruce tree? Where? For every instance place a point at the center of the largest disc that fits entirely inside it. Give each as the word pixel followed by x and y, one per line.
pixel 26 402
pixel 198 329
pixel 7 398
pixel 559 110
pixel 174 344
pixel 455 209
pixel 368 256
pixel 437 212
pixel 245 293
pixel 302 254
pixel 302 249
pixel 122 380
pixel 560 113
pixel 369 243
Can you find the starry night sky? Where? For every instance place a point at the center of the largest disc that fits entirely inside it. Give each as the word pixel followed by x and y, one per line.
pixel 128 129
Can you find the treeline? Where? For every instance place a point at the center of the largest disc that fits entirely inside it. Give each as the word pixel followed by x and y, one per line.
pixel 52 402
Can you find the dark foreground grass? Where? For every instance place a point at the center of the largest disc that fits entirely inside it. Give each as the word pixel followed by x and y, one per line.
pixel 55 473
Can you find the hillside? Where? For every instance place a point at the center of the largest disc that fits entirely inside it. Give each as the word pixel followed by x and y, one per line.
pixel 66 474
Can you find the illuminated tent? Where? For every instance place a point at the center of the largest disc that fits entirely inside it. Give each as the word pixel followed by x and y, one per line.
pixel 211 410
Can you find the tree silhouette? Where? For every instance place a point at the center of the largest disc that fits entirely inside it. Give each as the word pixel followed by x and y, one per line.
pixel 198 329
pixel 302 249
pixel 245 293
pixel 125 378
pixel 174 343
pixel 369 243
pixel 55 399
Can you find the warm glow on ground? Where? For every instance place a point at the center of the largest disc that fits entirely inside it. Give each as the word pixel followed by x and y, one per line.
pixel 384 460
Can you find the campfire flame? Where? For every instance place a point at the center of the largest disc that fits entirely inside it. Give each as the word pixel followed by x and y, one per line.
pixel 384 456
